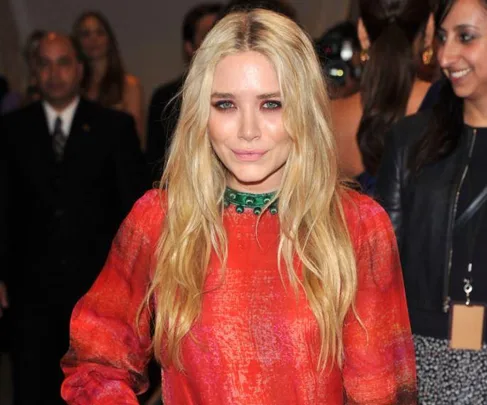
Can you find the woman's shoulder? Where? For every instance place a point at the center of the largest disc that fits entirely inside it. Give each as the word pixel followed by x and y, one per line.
pixel 418 93
pixel 421 87
pixel 148 213
pixel 357 205
pixel 407 130
pixel 132 93
pixel 131 81
pixel 365 217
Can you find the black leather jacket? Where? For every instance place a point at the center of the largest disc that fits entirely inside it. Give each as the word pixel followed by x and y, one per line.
pixel 422 209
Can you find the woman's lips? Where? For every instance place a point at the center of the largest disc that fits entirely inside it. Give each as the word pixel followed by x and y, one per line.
pixel 248 155
pixel 456 76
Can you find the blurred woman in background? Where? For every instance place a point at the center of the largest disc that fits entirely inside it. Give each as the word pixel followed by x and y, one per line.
pixel 106 80
pixel 393 34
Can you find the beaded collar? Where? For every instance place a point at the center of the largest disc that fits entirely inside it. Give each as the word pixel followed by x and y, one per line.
pixel 247 200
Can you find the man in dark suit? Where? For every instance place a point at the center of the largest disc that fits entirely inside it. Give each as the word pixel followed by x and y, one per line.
pixel 163 115
pixel 70 171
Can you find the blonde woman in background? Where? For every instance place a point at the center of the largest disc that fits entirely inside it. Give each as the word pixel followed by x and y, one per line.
pixel 106 80
pixel 254 276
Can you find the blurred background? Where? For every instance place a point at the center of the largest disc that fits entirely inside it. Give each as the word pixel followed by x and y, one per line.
pixel 148 31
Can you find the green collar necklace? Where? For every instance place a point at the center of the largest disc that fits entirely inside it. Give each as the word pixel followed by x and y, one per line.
pixel 256 202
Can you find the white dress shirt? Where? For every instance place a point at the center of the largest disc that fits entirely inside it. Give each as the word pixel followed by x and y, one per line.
pixel 66 116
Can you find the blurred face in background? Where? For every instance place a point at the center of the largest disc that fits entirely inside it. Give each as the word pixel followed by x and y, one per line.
pixel 462 49
pixel 93 38
pixel 245 125
pixel 203 26
pixel 59 72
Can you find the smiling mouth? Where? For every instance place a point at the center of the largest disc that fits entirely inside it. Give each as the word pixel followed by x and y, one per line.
pixel 458 73
pixel 249 155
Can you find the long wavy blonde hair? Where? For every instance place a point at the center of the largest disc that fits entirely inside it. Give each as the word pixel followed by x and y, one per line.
pixel 309 199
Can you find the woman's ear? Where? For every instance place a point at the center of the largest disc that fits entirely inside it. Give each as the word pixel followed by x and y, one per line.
pixel 362 35
pixel 429 32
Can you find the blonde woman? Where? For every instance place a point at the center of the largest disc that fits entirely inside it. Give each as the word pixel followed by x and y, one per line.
pixel 254 277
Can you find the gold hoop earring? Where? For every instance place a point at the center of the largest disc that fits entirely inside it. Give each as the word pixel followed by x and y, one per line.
pixel 427 56
pixel 364 55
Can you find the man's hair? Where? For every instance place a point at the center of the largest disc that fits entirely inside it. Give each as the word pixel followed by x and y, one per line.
pixel 194 15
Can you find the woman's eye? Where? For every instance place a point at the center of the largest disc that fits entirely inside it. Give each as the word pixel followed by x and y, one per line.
pixel 441 37
pixel 224 105
pixel 465 37
pixel 272 105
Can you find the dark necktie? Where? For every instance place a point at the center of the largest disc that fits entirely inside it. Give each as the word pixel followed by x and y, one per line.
pixel 58 139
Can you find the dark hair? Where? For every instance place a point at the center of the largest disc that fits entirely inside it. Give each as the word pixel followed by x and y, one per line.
pixel 278 6
pixel 388 76
pixel 445 126
pixel 194 15
pixel 112 84
pixel 78 51
pixel 31 45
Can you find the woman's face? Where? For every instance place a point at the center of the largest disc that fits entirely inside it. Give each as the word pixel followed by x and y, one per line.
pixel 462 49
pixel 93 38
pixel 245 125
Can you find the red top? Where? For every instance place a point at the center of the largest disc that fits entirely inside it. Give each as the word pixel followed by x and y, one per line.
pixel 256 342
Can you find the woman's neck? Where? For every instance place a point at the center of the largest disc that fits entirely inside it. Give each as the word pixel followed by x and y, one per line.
pixel 416 97
pixel 256 202
pixel 475 113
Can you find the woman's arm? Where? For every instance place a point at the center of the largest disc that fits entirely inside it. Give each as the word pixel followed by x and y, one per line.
pixel 389 182
pixel 379 364
pixel 133 103
pixel 109 351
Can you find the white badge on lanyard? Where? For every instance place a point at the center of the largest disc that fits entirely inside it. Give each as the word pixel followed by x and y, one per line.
pixel 467 321
pixel 467 326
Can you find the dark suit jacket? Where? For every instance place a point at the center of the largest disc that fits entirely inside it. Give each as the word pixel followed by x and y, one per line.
pixel 57 220
pixel 163 117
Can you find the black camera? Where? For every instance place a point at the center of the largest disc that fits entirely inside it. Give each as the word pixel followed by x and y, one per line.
pixel 338 50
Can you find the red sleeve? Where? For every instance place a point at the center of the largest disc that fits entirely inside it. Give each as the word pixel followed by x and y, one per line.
pixel 379 365
pixel 108 354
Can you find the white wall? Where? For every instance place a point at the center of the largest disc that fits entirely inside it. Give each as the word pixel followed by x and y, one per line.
pixel 148 31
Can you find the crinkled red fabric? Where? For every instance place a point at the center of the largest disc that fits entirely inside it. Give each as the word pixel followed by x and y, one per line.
pixel 256 341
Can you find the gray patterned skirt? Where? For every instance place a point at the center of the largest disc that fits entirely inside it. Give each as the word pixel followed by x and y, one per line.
pixel 446 376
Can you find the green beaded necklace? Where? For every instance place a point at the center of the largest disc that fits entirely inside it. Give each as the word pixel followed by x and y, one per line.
pixel 247 200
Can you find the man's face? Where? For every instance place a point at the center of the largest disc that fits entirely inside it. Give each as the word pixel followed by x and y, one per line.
pixel 59 72
pixel 203 26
